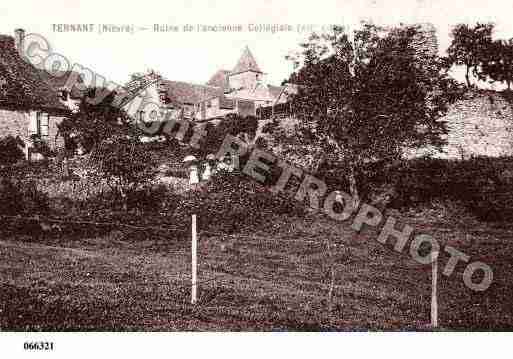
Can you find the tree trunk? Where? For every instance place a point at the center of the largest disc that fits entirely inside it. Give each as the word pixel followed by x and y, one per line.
pixel 124 199
pixel 332 286
pixel 331 262
pixel 353 189
pixel 467 76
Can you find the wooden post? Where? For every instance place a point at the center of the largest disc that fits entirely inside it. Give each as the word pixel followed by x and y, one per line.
pixel 193 180
pixel 434 283
pixel 194 251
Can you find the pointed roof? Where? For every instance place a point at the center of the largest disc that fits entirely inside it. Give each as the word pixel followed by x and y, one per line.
pixel 246 63
pixel 21 83
pixel 220 79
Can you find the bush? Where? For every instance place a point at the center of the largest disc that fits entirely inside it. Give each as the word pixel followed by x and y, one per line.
pixel 482 185
pixel 10 150
pixel 232 201
pixel 126 166
pixel 149 199
pixel 22 198
pixel 41 146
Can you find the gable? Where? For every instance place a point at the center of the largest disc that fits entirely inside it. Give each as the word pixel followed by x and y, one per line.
pixel 22 85
pixel 246 63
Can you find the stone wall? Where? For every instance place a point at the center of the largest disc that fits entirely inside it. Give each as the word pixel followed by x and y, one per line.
pixel 480 125
pixel 247 80
pixel 13 123
pixel 16 123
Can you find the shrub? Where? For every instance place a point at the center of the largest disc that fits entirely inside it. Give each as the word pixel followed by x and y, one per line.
pixel 22 198
pixel 11 150
pixel 231 201
pixel 482 185
pixel 41 146
pixel 126 167
pixel 149 199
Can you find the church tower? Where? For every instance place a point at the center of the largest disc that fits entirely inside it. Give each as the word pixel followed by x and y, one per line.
pixel 246 74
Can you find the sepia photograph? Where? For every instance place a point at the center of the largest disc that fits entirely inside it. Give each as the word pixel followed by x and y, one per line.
pixel 275 175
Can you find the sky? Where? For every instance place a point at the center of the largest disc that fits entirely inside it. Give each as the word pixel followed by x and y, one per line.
pixel 194 56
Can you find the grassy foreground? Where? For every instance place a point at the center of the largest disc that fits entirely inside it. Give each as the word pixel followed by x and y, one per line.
pixel 275 279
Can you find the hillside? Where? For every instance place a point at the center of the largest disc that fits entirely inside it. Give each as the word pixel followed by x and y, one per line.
pixel 273 279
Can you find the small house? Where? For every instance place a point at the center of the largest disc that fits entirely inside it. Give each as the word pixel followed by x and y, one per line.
pixel 29 106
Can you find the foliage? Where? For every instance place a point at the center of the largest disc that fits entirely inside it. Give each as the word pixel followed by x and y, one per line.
pixel 94 123
pixel 125 165
pixel 10 150
pixel 233 124
pixel 22 197
pixel 469 45
pixel 498 62
pixel 41 146
pixel 482 185
pixel 231 201
pixel 365 99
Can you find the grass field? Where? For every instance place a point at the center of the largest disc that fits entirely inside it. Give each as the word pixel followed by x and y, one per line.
pixel 274 279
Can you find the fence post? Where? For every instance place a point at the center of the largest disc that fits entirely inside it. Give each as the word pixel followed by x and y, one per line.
pixel 194 252
pixel 434 294
pixel 191 163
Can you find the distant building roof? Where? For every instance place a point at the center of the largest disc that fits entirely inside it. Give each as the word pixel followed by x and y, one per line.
pixel 220 79
pixel 246 63
pixel 21 84
pixel 184 92
pixel 275 90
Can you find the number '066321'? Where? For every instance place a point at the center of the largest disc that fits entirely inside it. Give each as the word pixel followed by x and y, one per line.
pixel 38 345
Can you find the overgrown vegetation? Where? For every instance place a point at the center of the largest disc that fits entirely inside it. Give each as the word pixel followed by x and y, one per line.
pixel 231 202
pixel 10 151
pixel 481 185
pixel 94 123
pixel 382 96
pixel 483 57
pixel 125 166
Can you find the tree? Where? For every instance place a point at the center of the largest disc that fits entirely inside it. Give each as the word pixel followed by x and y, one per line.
pixel 94 123
pixel 468 46
pixel 233 124
pixel 498 62
pixel 125 165
pixel 368 98
pixel 10 151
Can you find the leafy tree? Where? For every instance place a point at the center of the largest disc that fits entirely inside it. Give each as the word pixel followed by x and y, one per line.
pixel 232 124
pixel 94 123
pixel 125 165
pixel 367 98
pixel 469 45
pixel 498 62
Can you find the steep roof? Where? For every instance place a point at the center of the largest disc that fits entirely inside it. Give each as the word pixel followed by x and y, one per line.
pixel 246 63
pixel 184 92
pixel 59 80
pixel 21 84
pixel 220 79
pixel 275 90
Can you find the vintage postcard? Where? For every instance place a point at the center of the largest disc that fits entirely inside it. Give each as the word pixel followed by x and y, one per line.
pixel 175 172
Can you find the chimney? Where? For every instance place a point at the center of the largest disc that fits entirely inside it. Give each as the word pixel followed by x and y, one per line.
pixel 19 39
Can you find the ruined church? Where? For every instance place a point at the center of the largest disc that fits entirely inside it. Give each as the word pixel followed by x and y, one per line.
pixel 242 90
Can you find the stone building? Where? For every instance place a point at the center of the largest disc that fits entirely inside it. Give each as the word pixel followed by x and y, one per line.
pixel 480 124
pixel 29 106
pixel 241 90
pixel 70 95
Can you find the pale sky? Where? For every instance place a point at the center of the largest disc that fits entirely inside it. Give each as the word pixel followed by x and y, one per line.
pixel 194 56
